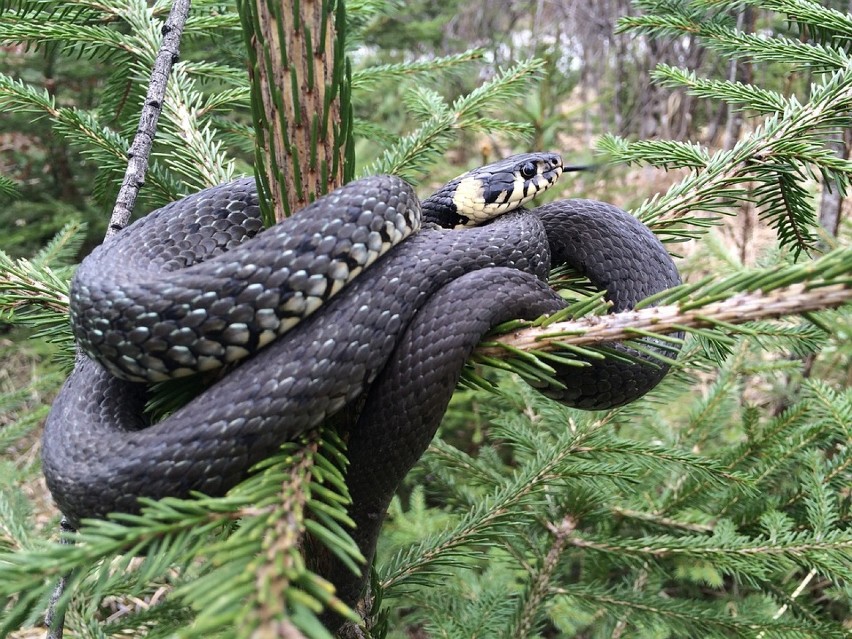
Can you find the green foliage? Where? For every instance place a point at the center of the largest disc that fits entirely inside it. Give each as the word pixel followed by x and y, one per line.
pixel 410 25
pixel 8 188
pixel 33 292
pixel 716 507
pixel 592 498
pixel 232 557
pixel 766 169
pixel 652 534
pixel 441 123
pixel 125 35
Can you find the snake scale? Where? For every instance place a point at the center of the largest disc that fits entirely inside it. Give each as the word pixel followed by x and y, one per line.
pixel 347 304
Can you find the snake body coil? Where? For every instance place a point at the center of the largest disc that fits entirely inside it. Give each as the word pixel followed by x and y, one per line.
pixel 191 296
pixel 396 335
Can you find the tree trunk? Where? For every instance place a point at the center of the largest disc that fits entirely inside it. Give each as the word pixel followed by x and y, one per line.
pixel 831 203
pixel 740 69
pixel 297 54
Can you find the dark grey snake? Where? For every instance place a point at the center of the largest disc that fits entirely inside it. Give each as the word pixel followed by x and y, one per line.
pixel 189 287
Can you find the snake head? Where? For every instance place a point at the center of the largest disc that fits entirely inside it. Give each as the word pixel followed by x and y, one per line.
pixel 480 195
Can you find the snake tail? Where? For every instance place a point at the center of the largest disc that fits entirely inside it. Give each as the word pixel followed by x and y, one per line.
pixel 620 255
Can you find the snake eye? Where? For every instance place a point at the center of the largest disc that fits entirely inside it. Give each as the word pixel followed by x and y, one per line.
pixel 528 170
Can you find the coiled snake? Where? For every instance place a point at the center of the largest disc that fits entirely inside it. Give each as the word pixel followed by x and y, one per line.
pixel 189 287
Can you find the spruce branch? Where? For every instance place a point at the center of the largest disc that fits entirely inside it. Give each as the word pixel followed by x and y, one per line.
pixel 798 591
pixel 62 249
pixel 661 320
pixel 764 454
pixel 541 581
pixel 480 525
pixel 685 619
pixel 368 78
pixel 16 429
pixel 807 13
pixel 8 189
pixel 194 148
pixel 721 305
pixel 659 521
pixel 95 41
pixel 734 555
pixel 244 565
pixel 198 156
pixel 748 96
pixel 24 286
pixel 103 146
pixel 409 157
pixel 800 430
pixel 34 293
pixel 294 497
pixel 777 156
pixel 716 33
pixel 568 455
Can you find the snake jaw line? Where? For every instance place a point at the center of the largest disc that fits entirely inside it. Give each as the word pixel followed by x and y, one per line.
pixel 482 194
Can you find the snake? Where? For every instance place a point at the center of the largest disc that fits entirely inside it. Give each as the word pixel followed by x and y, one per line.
pixel 363 306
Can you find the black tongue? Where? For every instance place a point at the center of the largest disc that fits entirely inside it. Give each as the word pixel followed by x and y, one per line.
pixel 574 168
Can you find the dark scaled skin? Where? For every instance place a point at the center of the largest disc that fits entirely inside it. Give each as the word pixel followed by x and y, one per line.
pixel 393 341
pixel 407 402
pixel 146 308
pixel 99 457
pixel 621 256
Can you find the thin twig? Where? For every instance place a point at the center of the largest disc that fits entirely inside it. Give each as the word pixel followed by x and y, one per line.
pixel 540 583
pixel 140 150
pixel 54 620
pixel 780 612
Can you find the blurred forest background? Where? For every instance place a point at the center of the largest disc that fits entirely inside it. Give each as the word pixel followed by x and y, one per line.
pixel 770 409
